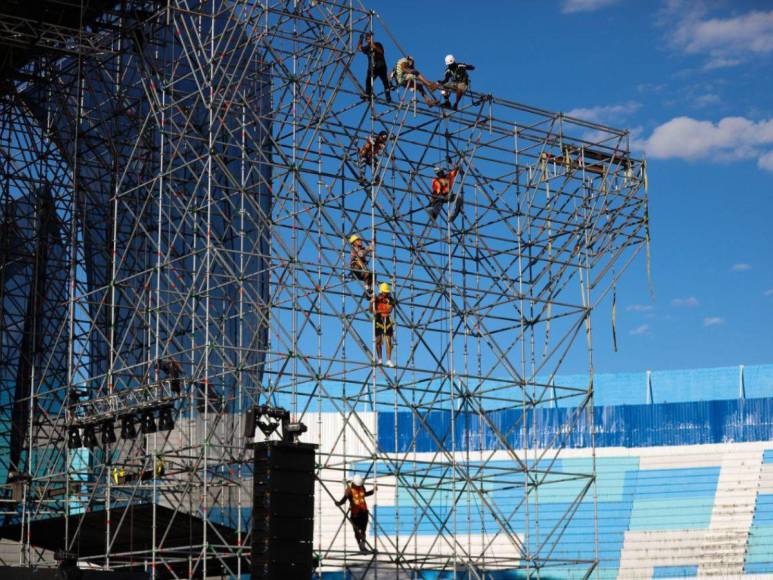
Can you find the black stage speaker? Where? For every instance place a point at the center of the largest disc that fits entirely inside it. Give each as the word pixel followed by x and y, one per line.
pixel 283 510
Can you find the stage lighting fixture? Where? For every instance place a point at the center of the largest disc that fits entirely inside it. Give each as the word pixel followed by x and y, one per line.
pixel 165 419
pixel 73 438
pixel 89 438
pixel 128 431
pixel 148 424
pixel 108 432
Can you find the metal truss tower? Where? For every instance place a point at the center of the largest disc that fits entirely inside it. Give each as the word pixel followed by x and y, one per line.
pixel 179 183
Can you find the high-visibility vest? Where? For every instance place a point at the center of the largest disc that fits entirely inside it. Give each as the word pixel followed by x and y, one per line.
pixel 358 499
pixel 384 305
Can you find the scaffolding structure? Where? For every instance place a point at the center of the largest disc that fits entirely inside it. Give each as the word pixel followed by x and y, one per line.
pixel 179 184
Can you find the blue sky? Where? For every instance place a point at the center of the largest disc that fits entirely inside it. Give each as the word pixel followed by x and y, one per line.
pixel 692 81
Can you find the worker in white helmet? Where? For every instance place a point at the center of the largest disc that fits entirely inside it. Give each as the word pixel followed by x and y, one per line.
pixel 355 494
pixel 381 306
pixel 456 80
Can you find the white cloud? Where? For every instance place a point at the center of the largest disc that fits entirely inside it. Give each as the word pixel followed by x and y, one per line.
pixel 689 302
pixel 639 308
pixel 605 113
pixel 732 138
pixel 713 321
pixel 768 292
pixel 571 6
pixel 725 42
pixel 721 62
pixel 706 100
pixel 651 87
pixel 766 161
pixel 741 267
pixel 639 330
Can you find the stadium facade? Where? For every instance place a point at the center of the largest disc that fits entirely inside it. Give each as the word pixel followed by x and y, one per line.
pixel 684 465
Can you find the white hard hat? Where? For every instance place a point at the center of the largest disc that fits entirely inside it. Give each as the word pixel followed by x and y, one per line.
pixel 357 481
pixel 450 59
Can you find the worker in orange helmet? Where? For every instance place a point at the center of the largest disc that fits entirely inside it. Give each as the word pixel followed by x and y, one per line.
pixel 382 306
pixel 355 494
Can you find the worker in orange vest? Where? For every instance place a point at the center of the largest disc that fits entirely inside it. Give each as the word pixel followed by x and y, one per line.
pixel 355 494
pixel 441 193
pixel 369 152
pixel 382 306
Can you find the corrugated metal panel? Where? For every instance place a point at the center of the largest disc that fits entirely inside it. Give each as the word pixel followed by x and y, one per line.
pixel 739 420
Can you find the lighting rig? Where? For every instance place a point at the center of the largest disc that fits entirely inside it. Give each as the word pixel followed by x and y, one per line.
pixel 149 407
pixel 269 420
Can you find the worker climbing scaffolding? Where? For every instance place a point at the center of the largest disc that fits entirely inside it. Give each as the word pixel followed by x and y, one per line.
pixel 355 494
pixel 377 67
pixel 442 187
pixel 456 80
pixel 359 265
pixel 382 306
pixel 369 153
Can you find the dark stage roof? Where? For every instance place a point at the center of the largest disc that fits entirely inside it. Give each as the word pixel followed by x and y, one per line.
pixel 30 29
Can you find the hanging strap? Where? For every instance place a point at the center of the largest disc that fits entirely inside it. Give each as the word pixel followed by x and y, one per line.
pixel 614 316
pixel 647 230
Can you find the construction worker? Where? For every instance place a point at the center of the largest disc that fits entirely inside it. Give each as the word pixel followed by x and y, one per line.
pixel 441 193
pixel 377 67
pixel 406 75
pixel 355 494
pixel 382 306
pixel 173 371
pixel 358 263
pixel 160 468
pixel 455 80
pixel 372 148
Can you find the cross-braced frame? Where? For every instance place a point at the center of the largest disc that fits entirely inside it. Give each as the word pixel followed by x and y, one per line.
pixel 201 162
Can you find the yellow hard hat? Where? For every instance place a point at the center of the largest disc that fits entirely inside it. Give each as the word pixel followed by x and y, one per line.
pixel 384 287
pixel 353 238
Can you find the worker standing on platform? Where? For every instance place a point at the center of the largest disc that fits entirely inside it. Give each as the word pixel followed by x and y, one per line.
pixel 406 75
pixel 358 263
pixel 355 494
pixel 370 151
pixel 441 193
pixel 377 67
pixel 382 306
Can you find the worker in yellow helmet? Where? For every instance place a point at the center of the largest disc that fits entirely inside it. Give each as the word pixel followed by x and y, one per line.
pixel 382 306
pixel 359 262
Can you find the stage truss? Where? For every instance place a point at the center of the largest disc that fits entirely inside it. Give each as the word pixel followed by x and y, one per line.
pixel 183 185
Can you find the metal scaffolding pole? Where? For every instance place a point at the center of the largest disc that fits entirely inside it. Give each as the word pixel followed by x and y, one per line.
pixel 178 191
